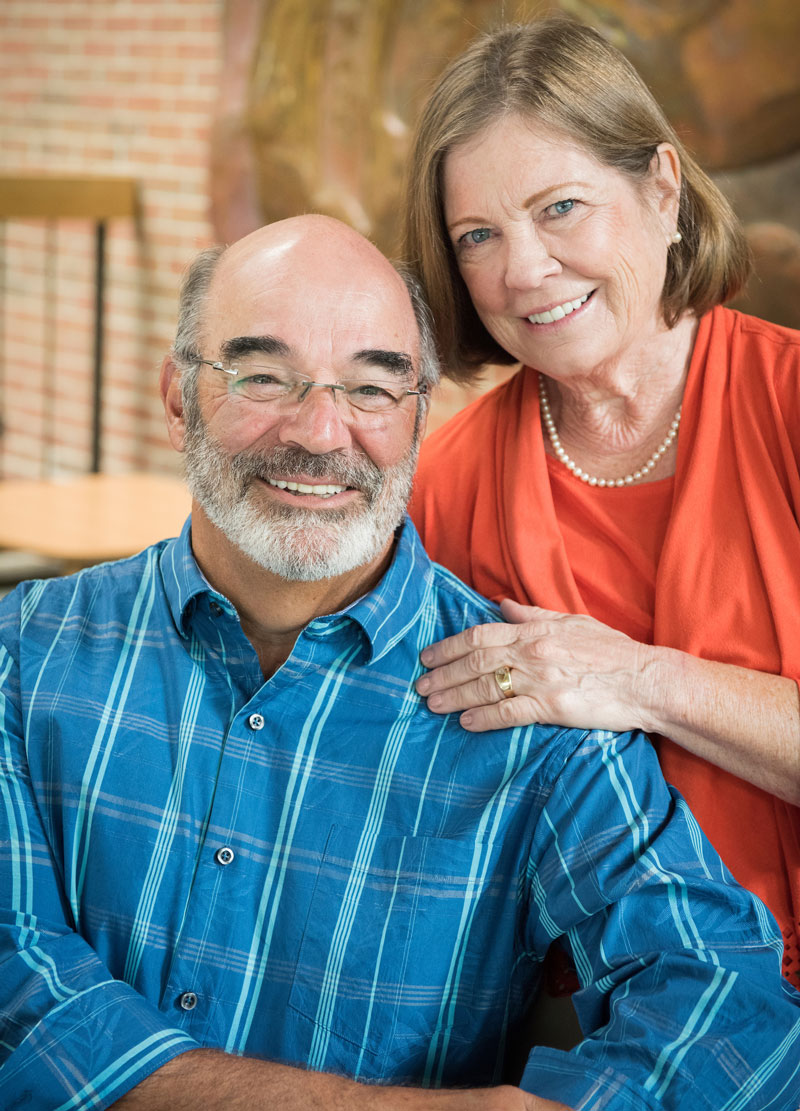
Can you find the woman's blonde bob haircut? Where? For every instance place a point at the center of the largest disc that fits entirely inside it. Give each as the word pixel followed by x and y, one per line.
pixel 564 75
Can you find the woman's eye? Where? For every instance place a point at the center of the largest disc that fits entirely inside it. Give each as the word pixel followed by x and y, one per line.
pixel 474 237
pixel 561 208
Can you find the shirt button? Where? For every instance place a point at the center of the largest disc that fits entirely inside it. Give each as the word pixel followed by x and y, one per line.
pixel 224 855
pixel 215 608
pixel 255 721
pixel 188 1001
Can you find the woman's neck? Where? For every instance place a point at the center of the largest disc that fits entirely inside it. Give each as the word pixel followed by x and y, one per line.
pixel 611 421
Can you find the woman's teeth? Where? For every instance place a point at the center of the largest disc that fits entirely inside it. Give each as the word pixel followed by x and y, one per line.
pixel 559 312
pixel 326 491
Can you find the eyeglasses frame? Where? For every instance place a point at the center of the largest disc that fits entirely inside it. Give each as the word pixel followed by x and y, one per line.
pixel 308 384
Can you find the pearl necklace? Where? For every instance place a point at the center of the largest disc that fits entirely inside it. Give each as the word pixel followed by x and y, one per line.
pixel 590 479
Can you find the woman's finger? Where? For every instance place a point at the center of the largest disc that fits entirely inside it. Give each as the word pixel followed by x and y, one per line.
pixel 516 613
pixel 480 692
pixel 511 712
pixel 480 663
pixel 478 637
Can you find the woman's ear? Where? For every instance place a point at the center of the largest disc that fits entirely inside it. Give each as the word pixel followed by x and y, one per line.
pixel 665 169
pixel 169 383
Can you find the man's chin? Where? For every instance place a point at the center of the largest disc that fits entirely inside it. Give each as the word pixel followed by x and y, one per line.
pixel 313 560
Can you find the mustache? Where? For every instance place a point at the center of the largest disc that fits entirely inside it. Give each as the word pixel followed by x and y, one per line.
pixel 335 467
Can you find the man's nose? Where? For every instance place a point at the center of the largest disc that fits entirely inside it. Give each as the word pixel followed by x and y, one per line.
pixel 528 260
pixel 316 422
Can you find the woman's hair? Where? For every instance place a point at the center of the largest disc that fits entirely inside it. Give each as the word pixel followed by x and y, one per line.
pixel 566 76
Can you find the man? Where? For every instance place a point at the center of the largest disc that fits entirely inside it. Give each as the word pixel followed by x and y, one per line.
pixel 246 868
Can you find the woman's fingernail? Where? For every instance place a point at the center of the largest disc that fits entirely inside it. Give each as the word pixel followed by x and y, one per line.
pixel 423 684
pixel 466 720
pixel 425 656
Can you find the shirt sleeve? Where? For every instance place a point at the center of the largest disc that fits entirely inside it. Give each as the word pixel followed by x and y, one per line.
pixel 681 1002
pixel 70 1035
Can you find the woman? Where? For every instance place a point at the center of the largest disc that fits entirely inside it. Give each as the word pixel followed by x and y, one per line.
pixel 637 481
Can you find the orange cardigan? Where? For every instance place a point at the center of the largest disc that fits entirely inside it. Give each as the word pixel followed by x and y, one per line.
pixel 728 579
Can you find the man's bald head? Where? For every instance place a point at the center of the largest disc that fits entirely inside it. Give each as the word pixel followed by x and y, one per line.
pixel 315 246
pixel 323 252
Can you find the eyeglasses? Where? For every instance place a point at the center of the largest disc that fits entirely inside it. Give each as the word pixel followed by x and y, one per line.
pixel 268 383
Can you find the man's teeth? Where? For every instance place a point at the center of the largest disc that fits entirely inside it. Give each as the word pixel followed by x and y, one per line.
pixel 559 312
pixel 326 491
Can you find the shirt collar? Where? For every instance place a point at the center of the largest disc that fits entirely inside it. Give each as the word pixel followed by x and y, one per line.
pixel 385 615
pixel 183 580
pixel 389 611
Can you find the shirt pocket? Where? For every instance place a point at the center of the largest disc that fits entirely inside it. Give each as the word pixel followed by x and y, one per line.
pixel 390 958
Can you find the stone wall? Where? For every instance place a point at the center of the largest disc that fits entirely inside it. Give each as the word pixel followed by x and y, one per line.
pixel 318 99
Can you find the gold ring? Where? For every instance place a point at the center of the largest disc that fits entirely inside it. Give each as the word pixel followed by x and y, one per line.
pixel 503 679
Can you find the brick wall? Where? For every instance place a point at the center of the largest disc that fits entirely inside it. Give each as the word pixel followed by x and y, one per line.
pixel 105 87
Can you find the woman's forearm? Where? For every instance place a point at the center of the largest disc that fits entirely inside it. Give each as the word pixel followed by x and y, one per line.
pixel 747 722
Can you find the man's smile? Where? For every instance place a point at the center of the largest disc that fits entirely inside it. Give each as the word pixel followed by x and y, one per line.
pixel 326 490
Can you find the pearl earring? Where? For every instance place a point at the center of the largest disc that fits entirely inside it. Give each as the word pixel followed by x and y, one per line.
pixel 676 237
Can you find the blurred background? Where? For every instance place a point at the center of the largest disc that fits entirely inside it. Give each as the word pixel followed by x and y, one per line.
pixel 135 132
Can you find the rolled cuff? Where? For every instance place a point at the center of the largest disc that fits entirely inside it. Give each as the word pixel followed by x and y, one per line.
pixel 89 1050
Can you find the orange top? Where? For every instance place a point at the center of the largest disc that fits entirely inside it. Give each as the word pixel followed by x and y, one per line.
pixel 725 584
pixel 616 572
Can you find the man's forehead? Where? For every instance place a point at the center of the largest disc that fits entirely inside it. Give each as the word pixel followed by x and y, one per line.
pixel 329 308
pixel 312 261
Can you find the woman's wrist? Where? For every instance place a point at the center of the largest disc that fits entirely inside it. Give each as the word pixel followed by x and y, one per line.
pixel 661 692
pixel 742 720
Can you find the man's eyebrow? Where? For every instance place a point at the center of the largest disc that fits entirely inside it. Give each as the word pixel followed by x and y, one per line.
pixel 240 346
pixel 398 362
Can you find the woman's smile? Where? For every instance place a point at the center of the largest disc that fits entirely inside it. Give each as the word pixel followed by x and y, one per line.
pixel 558 312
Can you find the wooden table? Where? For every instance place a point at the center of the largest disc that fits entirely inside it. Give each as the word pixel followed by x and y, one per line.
pixel 91 518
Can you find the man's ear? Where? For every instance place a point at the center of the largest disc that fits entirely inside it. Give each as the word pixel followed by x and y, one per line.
pixel 666 177
pixel 169 383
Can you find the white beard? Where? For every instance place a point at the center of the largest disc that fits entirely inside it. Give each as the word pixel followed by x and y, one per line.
pixel 297 544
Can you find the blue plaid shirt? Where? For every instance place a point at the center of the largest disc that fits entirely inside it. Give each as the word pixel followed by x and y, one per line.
pixel 316 870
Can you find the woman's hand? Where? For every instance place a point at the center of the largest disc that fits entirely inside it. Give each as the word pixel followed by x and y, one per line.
pixel 566 669
pixel 570 670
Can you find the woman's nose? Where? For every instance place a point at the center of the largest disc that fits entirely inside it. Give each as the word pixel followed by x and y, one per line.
pixel 528 261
